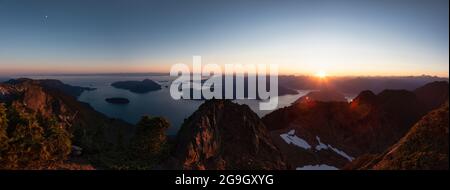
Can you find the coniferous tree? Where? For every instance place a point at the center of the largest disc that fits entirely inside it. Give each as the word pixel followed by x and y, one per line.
pixel 150 141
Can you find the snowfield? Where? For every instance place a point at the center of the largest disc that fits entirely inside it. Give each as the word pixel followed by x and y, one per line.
pixel 323 146
pixel 291 138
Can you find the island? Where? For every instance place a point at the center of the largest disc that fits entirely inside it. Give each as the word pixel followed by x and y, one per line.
pixel 144 86
pixel 117 100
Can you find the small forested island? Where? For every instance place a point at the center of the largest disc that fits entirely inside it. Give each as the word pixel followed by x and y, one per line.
pixel 117 100
pixel 144 86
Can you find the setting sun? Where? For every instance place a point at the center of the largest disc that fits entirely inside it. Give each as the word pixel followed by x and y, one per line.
pixel 321 74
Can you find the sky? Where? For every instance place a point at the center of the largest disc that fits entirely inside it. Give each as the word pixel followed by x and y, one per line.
pixel 339 37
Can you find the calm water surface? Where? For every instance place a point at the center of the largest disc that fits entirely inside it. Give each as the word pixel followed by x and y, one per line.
pixel 156 103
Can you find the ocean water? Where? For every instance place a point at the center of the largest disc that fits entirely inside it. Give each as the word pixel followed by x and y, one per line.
pixel 155 103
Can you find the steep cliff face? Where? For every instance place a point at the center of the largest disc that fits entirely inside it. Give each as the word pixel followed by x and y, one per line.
pixel 225 135
pixel 425 146
pixel 369 124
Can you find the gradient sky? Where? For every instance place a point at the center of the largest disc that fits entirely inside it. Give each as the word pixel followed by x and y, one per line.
pixel 340 37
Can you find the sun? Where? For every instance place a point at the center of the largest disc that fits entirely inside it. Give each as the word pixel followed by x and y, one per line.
pixel 321 74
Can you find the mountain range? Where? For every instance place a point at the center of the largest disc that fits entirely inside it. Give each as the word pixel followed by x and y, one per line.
pixel 392 129
pixel 335 133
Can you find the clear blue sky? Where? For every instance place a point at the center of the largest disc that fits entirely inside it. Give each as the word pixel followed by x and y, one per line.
pixel 340 37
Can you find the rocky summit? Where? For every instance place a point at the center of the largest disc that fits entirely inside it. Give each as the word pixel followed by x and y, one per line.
pixel 225 135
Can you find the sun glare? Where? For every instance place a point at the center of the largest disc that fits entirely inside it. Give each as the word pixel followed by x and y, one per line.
pixel 321 74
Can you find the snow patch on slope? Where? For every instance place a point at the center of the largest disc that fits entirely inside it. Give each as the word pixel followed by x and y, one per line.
pixel 317 167
pixel 323 146
pixel 291 138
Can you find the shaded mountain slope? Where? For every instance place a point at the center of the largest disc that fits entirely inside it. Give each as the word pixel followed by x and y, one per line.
pixel 433 94
pixel 425 146
pixel 52 84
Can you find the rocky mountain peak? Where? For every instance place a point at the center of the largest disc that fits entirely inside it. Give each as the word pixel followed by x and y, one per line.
pixel 224 135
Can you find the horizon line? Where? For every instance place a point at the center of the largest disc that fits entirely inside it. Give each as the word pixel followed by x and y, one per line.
pixel 23 75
